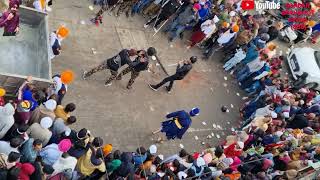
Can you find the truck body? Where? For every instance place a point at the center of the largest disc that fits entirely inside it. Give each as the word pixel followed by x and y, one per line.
pixel 27 53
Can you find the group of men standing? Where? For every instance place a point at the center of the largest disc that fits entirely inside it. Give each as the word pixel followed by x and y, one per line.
pixel 139 64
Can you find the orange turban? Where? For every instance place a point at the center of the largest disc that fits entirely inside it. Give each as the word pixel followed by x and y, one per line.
pixel 107 149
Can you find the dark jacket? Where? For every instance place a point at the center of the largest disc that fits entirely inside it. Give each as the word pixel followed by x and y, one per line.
pixel 298 122
pixel 273 33
pixel 119 60
pixel 126 168
pixel 183 70
pixel 170 8
pixel 139 66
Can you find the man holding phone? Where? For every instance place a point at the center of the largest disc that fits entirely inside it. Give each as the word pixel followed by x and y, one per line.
pixel 10 19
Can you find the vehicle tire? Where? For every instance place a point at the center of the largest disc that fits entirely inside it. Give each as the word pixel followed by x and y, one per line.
pixel 311 85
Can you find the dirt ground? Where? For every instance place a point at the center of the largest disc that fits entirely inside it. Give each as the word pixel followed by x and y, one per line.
pixel 126 118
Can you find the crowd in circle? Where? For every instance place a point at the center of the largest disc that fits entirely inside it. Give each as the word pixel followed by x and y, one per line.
pixel 278 137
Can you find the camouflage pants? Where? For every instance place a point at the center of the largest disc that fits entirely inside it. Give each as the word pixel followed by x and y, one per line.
pixel 101 67
pixel 134 75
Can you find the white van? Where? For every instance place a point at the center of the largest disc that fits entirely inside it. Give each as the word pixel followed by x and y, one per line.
pixel 305 60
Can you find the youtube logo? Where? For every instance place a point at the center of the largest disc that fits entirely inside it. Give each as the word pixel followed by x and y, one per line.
pixel 247 4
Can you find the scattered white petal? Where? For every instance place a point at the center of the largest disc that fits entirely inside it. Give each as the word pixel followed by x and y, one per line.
pixel 82 22
pixel 239 83
pixel 225 84
pixel 203 143
pixel 228 91
pixel 237 94
pixel 181 146
pixel 209 136
pixel 91 8
pixel 231 105
pixel 225 78
pixel 151 108
pixel 214 126
pixel 196 137
pixel 286 73
pixel 211 89
pixel 244 98
pixel 219 127
pixel 227 110
pixel 218 136
pixel 171 45
pixel 212 134
pixel 157 64
pixel 153 58
pixel 231 72
pixel 228 122
pixel 232 129
pixel 204 123
pixel 287 52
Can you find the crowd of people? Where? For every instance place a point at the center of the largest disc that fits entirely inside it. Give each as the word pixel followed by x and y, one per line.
pixel 278 136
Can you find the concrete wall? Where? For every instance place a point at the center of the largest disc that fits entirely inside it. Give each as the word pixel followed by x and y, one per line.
pixel 27 53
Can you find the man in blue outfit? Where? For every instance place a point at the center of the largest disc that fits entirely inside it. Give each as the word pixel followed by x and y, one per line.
pixel 178 124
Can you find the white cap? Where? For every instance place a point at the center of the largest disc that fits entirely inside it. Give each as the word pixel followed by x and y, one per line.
pixel 50 104
pixel 286 114
pixel 67 131
pixel 161 156
pixel 153 168
pixel 182 175
pixel 232 13
pixel 215 173
pixel 279 133
pixel 240 144
pixel 200 162
pixel 153 149
pixel 58 84
pixel 216 19
pixel 274 115
pixel 46 122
